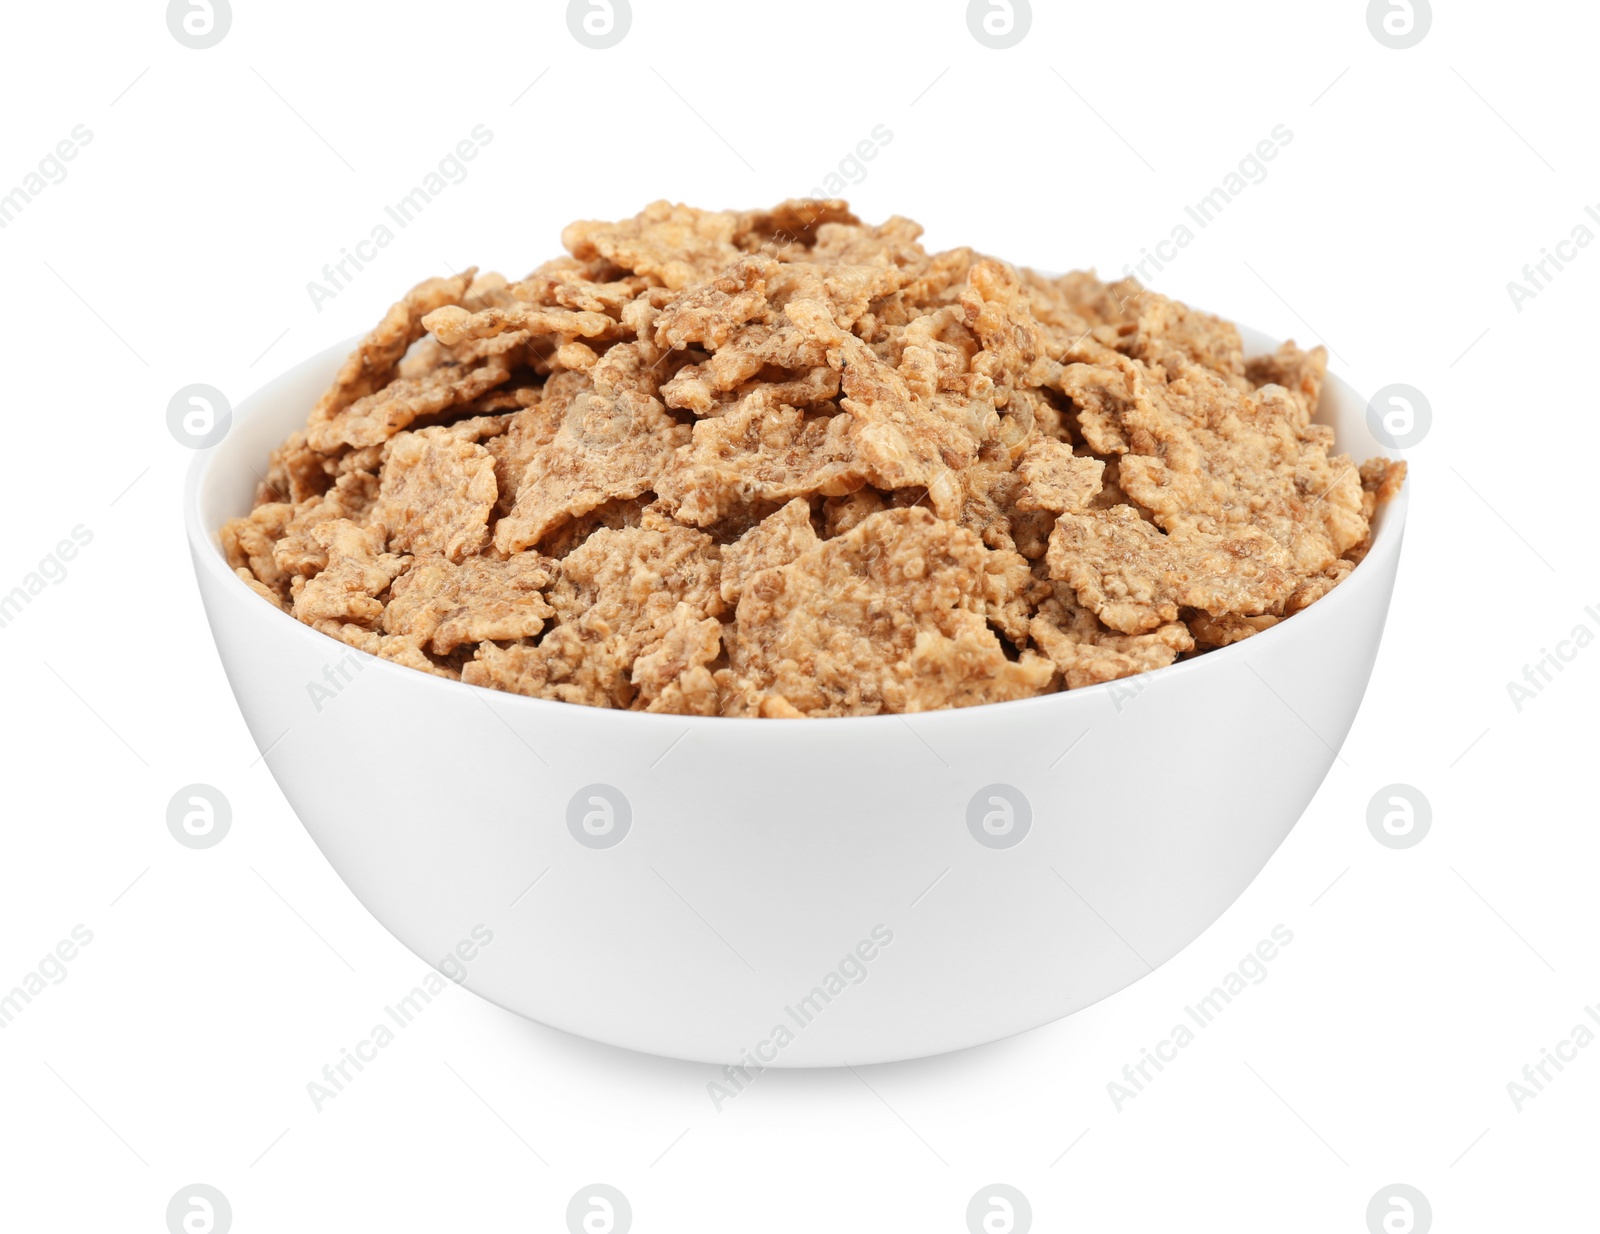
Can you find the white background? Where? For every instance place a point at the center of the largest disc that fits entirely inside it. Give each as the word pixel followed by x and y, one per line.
pixel 178 248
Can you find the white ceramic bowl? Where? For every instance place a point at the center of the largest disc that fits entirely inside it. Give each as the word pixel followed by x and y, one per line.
pixel 744 912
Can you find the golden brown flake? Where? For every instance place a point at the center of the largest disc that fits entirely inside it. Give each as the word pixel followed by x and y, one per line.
pixel 775 541
pixel 372 364
pixel 298 552
pixel 294 472
pixel 710 313
pixel 437 493
pixel 672 675
pixel 444 605
pixel 453 324
pixel 616 600
pixel 1088 654
pixel 758 453
pixel 1381 479
pixel 1299 372
pixel 1055 479
pixel 677 244
pixel 260 588
pixel 790 226
pixel 384 646
pixel 1230 628
pixel 249 543
pixel 886 617
pixel 1135 577
pixel 357 572
pixel 615 440
pixel 372 420
pixel 901 441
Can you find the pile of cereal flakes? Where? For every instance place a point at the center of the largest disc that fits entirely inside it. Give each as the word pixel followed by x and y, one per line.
pixel 783 464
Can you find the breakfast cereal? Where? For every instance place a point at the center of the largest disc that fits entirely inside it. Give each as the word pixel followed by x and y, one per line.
pixel 783 463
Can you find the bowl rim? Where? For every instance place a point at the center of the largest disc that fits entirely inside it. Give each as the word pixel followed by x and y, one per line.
pixel 1388 524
